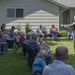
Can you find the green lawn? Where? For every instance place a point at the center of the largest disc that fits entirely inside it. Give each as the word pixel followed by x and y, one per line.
pixel 16 64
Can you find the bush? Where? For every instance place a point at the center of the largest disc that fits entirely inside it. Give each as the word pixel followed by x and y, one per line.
pixel 62 33
pixel 27 28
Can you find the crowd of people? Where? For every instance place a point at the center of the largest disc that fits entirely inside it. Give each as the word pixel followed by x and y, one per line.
pixel 43 57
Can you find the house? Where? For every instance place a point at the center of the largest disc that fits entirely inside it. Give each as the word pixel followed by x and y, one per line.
pixel 37 12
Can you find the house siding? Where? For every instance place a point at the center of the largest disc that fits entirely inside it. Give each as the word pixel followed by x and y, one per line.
pixel 72 15
pixel 36 12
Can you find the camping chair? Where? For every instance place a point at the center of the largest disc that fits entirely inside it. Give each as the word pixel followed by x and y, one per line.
pixel 31 55
pixel 18 45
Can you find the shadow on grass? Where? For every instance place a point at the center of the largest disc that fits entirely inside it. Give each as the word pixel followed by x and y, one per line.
pixel 70 61
pixel 53 42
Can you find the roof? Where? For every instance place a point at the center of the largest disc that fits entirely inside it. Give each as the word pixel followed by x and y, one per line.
pixel 66 3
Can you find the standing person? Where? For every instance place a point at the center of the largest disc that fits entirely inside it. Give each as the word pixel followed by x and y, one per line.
pixel 54 32
pixel 58 67
pixel 70 33
pixel 39 63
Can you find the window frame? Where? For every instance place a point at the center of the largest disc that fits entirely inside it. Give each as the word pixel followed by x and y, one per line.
pixel 15 12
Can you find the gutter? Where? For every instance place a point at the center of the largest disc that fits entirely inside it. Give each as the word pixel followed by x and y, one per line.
pixel 57 3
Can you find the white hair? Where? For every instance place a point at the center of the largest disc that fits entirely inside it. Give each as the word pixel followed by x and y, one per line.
pixel 41 54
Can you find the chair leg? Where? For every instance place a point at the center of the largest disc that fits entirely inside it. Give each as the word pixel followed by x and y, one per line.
pixel 16 49
pixel 29 63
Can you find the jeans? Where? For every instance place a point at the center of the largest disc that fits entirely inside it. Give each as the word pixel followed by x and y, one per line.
pixel 2 47
pixel 69 37
pixel 10 43
pixel 54 35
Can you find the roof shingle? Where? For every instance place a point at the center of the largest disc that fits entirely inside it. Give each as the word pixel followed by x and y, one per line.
pixel 68 3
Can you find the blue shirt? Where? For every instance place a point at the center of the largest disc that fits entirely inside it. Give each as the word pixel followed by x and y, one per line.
pixel 58 68
pixel 38 65
pixel 33 44
pixel 11 32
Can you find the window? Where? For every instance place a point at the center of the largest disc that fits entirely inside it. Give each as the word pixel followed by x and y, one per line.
pixel 19 12
pixel 15 13
pixel 10 13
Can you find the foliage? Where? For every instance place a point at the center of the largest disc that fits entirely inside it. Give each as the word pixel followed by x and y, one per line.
pixel 27 28
pixel 18 27
pixel 62 33
pixel 45 30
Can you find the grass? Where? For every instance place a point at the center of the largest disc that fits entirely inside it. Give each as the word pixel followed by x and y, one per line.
pixel 70 44
pixel 16 64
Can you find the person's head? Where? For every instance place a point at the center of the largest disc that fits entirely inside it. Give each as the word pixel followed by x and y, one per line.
pixel 40 26
pixel 42 54
pixel 13 28
pixel 34 36
pixel 30 30
pixel 4 25
pixel 53 26
pixel 16 32
pixel 61 53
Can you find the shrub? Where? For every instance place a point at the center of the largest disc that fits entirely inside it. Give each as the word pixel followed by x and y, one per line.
pixel 62 33
pixel 27 28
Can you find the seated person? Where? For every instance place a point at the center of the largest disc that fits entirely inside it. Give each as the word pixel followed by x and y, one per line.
pixel 29 34
pixel 2 44
pixel 7 38
pixel 70 33
pixel 39 63
pixel 45 47
pixel 3 27
pixel 22 37
pixel 17 37
pixel 32 42
pixel 54 32
pixel 41 32
pixel 11 33
pixel 59 66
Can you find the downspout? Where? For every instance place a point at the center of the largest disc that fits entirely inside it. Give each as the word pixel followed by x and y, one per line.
pixel 63 10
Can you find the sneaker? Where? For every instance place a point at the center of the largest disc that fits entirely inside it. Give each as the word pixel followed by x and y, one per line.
pixel 1 53
pixel 9 49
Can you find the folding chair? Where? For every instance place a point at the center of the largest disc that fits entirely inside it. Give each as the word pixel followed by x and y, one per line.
pixel 31 55
pixel 18 45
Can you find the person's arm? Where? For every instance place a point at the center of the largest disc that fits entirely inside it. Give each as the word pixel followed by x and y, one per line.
pixel 43 64
pixel 45 71
pixel 70 71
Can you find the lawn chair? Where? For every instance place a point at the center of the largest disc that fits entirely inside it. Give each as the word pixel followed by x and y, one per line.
pixel 18 45
pixel 31 55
